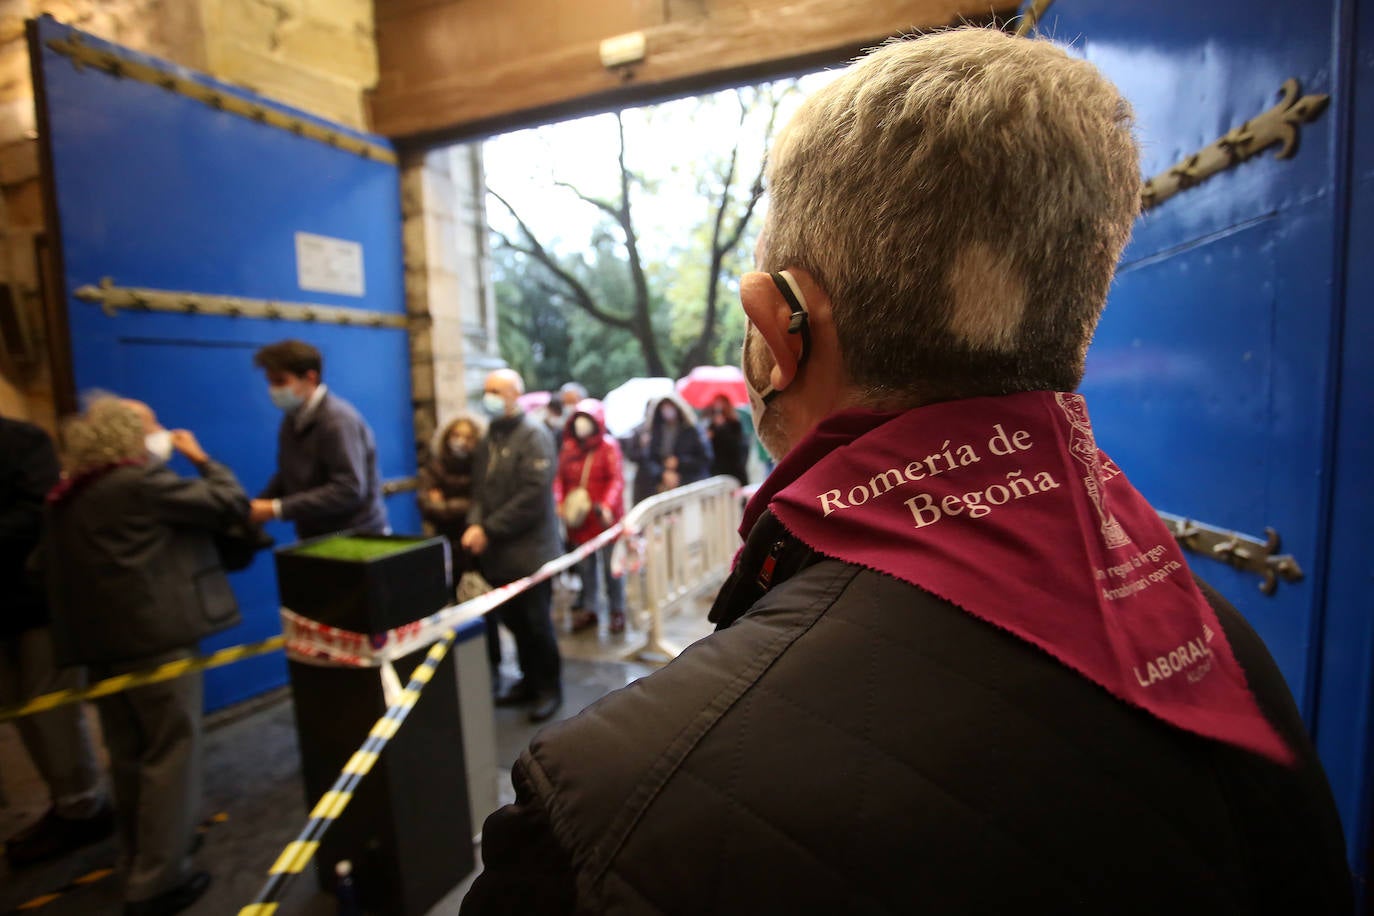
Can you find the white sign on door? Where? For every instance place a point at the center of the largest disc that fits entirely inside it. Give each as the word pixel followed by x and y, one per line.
pixel 328 265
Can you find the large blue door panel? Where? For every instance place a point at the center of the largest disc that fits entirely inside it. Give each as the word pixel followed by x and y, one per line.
pixel 1215 372
pixel 1347 676
pixel 157 190
pixel 1192 71
pixel 1208 375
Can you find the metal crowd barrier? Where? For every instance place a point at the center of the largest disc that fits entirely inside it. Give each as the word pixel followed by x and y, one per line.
pixel 676 546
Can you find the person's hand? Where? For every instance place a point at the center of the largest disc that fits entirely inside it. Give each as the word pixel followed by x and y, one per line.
pixel 474 540
pixel 260 510
pixel 606 517
pixel 670 480
pixel 184 441
pixel 670 463
pixel 436 495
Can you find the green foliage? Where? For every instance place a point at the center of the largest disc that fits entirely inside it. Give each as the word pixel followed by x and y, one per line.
pixel 574 310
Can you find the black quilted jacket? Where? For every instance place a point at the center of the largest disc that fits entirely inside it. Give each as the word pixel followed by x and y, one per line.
pixel 848 743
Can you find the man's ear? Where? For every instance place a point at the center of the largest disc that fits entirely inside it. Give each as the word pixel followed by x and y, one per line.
pixel 768 311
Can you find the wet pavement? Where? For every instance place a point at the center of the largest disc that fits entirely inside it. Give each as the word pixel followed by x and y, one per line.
pixel 254 799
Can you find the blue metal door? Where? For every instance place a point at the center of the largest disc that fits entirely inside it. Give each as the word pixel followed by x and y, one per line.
pixel 164 180
pixel 1214 378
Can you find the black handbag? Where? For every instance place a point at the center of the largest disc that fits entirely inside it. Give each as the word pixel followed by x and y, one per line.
pixel 240 542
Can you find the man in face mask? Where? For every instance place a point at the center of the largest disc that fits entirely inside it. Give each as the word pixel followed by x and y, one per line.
pixel 513 530
pixel 960 664
pixel 326 476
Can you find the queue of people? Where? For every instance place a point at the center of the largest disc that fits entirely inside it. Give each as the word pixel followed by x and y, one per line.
pixel 119 564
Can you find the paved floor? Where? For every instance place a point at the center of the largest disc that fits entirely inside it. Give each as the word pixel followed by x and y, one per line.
pixel 253 789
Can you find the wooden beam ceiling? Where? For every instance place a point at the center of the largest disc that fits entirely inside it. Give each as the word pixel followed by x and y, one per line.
pixel 462 69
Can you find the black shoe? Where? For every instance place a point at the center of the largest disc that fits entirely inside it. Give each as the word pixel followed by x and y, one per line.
pixel 173 901
pixel 544 705
pixel 517 694
pixel 53 836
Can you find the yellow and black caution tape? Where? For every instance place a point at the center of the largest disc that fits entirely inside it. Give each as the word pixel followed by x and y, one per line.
pixel 120 682
pixel 300 851
pixel 96 876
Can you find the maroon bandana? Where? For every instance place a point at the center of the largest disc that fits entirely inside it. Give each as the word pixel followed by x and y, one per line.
pixel 69 487
pixel 1006 508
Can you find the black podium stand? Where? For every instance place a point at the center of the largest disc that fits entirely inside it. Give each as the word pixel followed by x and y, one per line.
pixel 408 830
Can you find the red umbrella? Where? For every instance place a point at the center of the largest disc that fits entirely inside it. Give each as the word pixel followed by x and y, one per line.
pixel 704 383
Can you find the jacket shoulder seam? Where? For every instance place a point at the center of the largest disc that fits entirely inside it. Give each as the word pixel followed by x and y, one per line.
pixel 670 760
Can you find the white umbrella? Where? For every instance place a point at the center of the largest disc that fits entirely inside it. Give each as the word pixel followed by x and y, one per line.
pixel 625 405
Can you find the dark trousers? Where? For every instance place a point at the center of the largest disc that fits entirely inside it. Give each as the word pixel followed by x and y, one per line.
pixel 57 740
pixel 529 620
pixel 153 734
pixel 593 569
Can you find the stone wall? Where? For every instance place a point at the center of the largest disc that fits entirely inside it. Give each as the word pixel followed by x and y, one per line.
pixel 318 55
pixel 451 306
pixel 164 27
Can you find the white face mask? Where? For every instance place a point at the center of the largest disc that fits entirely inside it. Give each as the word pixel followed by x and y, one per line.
pixel 494 404
pixel 458 448
pixel 758 366
pixel 159 444
pixel 285 397
pixel 583 427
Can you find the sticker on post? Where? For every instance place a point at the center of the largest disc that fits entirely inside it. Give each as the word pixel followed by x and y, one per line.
pixel 329 265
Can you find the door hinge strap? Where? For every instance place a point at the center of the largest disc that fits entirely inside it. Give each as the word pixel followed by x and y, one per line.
pixel 112 298
pixel 400 485
pixel 1030 16
pixel 1238 551
pixel 1280 125
pixel 121 67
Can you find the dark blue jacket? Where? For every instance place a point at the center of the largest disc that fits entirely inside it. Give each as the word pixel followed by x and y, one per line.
pixel 327 471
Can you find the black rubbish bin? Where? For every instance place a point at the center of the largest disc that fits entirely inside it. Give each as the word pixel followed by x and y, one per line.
pixel 407 830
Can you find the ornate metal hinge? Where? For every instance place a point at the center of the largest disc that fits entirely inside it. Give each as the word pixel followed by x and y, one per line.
pixel 1280 125
pixel 120 67
pixel 1030 16
pixel 1237 550
pixel 400 485
pixel 113 298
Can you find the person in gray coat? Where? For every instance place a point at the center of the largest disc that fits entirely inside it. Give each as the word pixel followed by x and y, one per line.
pixel 134 581
pixel 326 478
pixel 513 530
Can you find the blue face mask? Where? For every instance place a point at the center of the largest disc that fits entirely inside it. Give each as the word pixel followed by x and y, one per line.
pixel 284 397
pixel 494 404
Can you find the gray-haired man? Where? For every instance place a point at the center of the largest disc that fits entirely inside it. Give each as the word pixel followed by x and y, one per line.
pixel 960 666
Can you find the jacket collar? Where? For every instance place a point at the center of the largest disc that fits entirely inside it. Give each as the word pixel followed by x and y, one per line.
pixel 769 557
pixel 305 416
pixel 69 487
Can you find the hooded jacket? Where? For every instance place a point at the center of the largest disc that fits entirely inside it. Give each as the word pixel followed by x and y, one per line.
pixel 598 456
pixel 656 441
pixel 452 476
